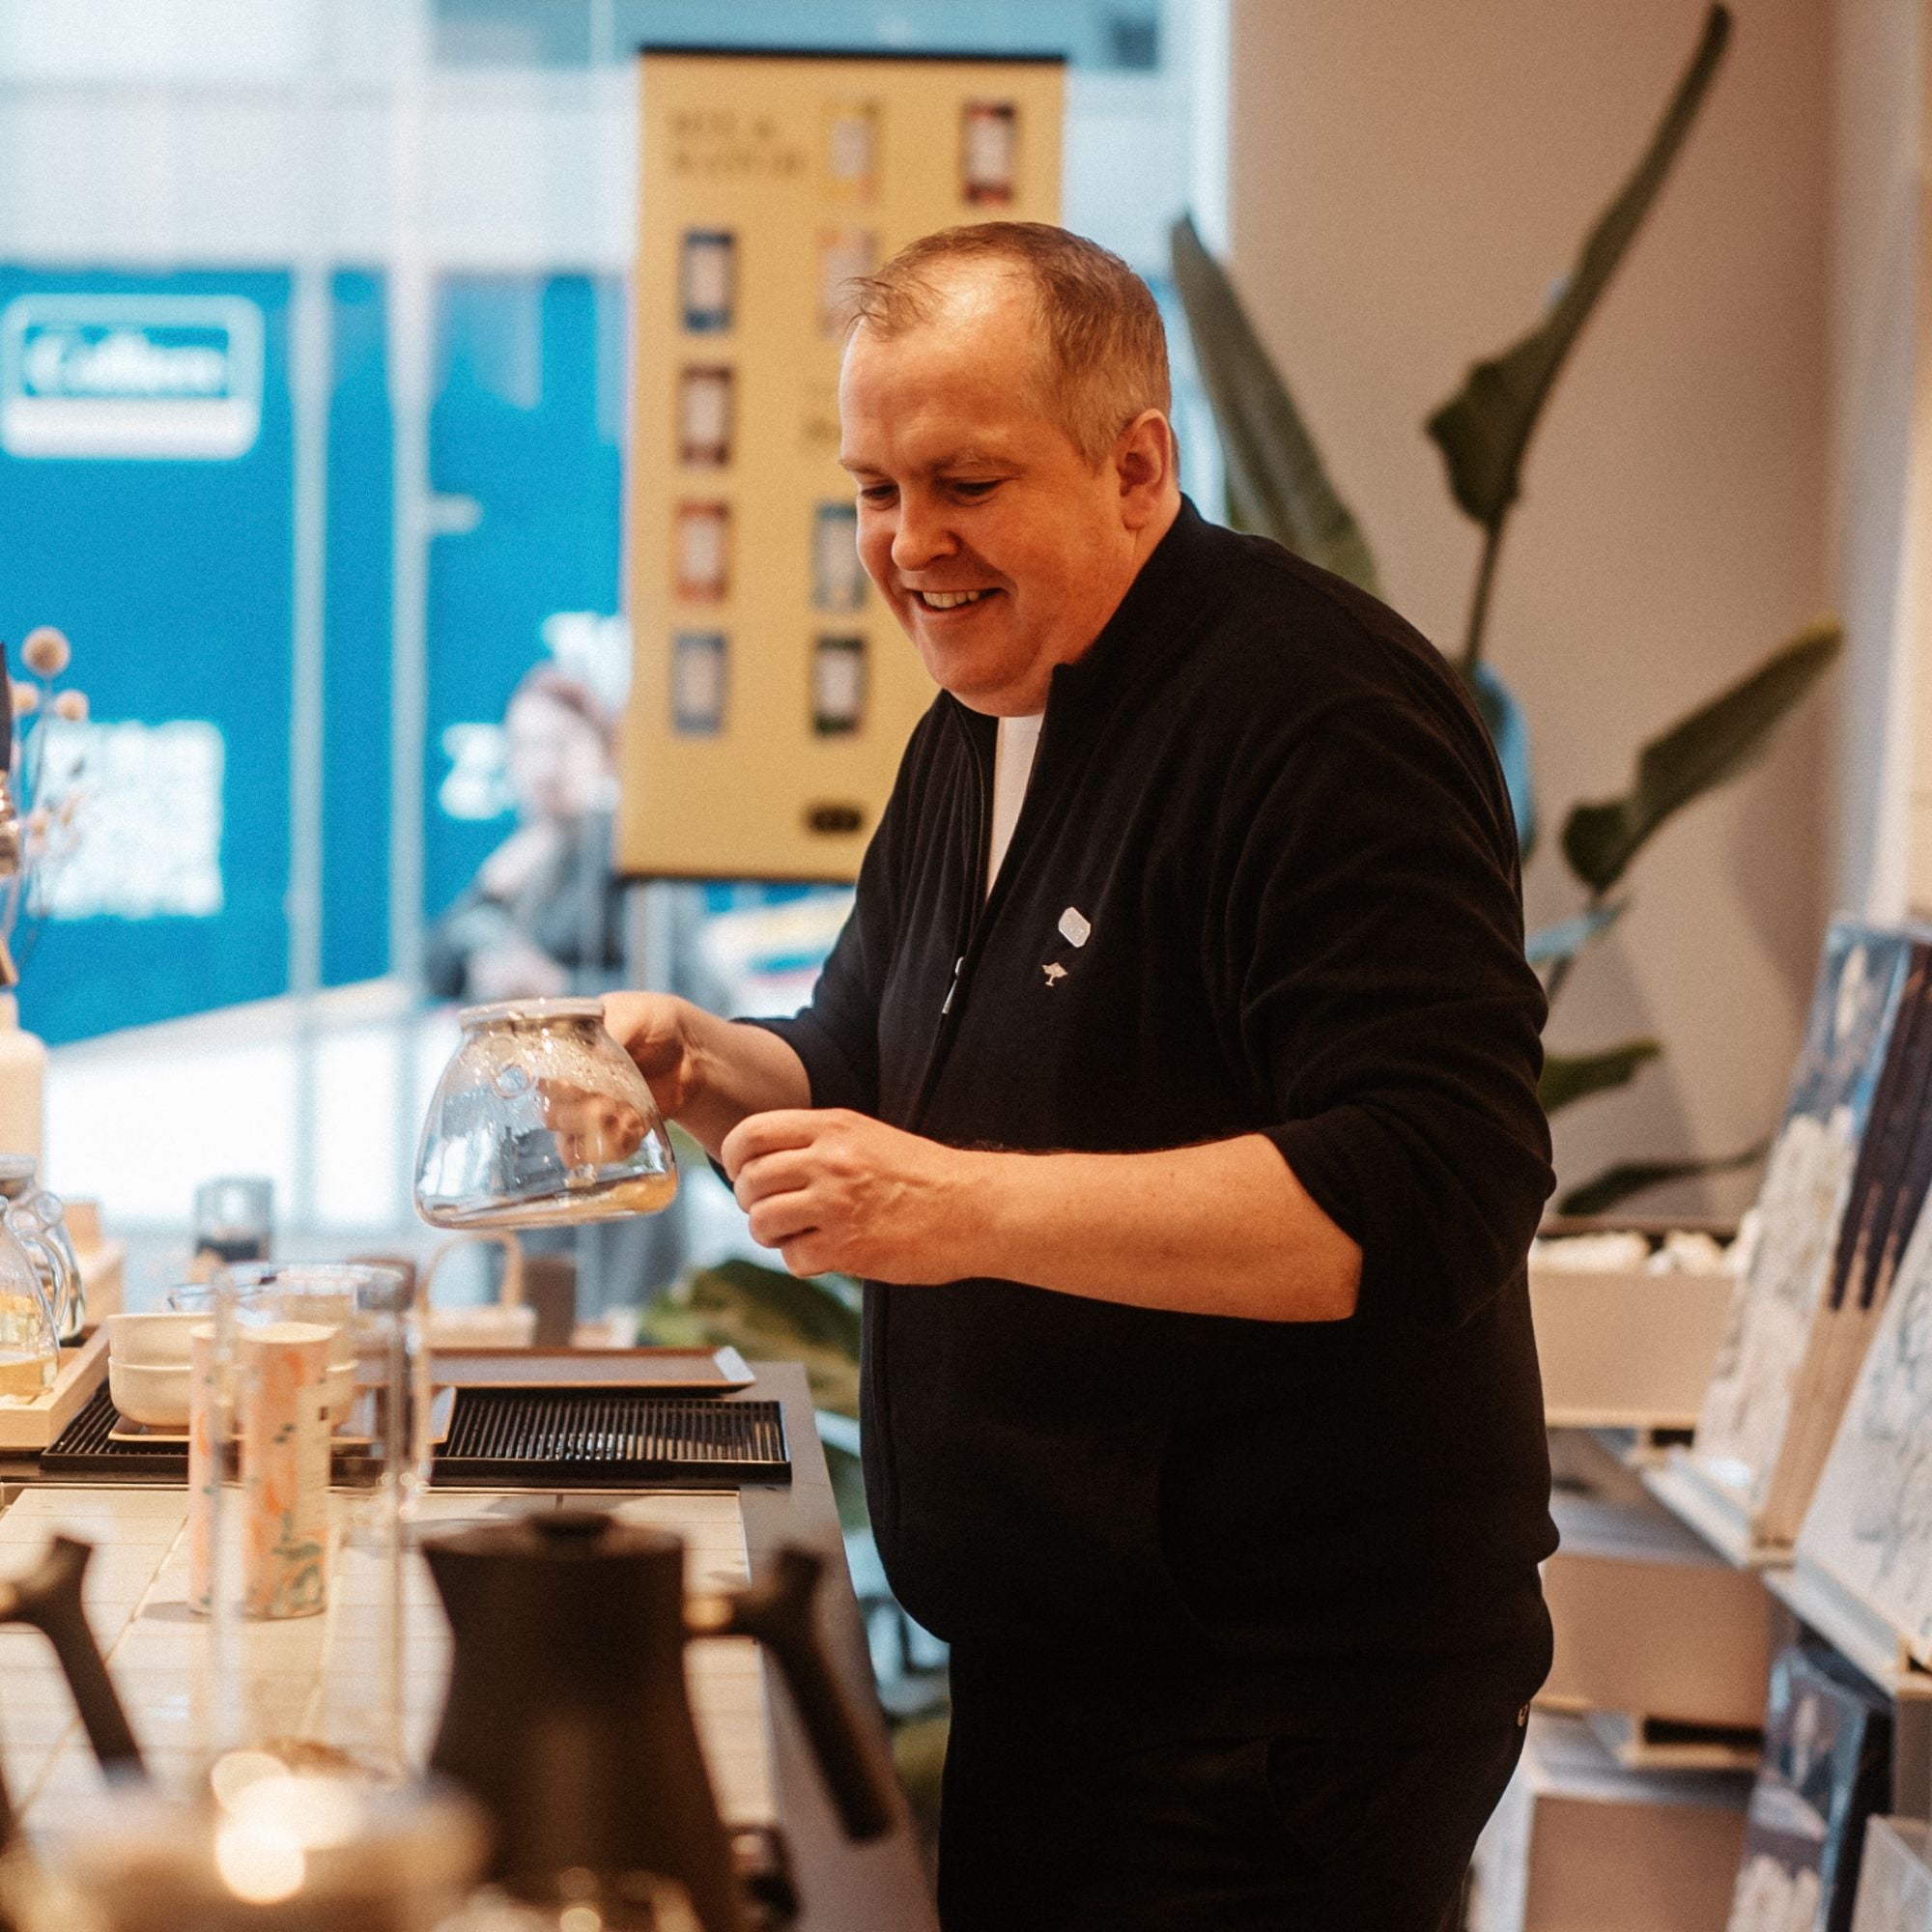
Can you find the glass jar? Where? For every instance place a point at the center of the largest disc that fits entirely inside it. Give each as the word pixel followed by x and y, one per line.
pixel 541 1120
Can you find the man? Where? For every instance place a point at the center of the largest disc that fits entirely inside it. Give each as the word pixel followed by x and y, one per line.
pixel 1173 1087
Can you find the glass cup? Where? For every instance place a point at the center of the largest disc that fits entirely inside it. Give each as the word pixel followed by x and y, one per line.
pixel 541 1120
pixel 308 1438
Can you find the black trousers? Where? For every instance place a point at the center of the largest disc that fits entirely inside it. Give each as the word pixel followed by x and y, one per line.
pixel 1057 1816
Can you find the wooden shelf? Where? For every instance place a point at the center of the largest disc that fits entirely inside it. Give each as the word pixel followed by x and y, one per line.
pixel 1860 1635
pixel 1681 1485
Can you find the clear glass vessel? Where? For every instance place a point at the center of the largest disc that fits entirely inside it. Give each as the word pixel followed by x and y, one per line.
pixel 541 1120
pixel 29 1341
pixel 308 1439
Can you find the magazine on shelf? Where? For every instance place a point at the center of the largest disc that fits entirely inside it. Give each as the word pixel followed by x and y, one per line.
pixel 1825 1770
pixel 1835 1185
pixel 1888 1188
pixel 1869 1523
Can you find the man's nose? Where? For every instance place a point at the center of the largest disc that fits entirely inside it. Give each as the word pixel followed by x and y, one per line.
pixel 923 536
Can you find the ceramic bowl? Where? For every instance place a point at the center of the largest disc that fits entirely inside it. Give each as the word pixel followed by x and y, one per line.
pixel 151 1341
pixel 152 1393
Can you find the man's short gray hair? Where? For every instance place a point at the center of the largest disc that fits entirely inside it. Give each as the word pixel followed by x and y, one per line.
pixel 1103 349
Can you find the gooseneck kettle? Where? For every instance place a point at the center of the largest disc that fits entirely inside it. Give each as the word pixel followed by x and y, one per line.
pixel 567 1714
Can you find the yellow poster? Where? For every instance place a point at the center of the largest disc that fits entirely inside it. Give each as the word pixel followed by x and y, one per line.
pixel 773 692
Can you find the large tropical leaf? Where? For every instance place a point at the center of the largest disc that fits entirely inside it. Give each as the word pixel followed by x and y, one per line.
pixel 769 1316
pixel 1508 733
pixel 1569 937
pixel 1714 744
pixel 1617 1184
pixel 1568 1079
pixel 1276 483
pixel 1484 430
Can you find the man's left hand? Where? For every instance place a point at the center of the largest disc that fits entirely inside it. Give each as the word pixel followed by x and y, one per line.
pixel 837 1192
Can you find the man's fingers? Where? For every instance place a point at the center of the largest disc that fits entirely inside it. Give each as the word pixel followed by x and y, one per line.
pixel 805 1255
pixel 768 1174
pixel 766 1133
pixel 781 1219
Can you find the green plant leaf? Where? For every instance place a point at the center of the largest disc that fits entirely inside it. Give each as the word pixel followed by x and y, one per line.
pixel 1618 1183
pixel 769 1316
pixel 1276 483
pixel 1508 733
pixel 1484 429
pixel 1712 745
pixel 1569 937
pixel 1568 1079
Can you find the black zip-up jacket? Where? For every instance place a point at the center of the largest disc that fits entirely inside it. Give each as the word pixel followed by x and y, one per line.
pixel 1264 881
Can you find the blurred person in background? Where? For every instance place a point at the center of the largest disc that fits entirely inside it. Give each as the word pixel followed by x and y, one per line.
pixel 542 917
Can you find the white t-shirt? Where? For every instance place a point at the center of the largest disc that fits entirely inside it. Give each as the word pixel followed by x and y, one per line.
pixel 1012 766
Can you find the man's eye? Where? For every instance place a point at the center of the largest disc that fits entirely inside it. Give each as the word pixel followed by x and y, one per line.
pixel 878 493
pixel 975 490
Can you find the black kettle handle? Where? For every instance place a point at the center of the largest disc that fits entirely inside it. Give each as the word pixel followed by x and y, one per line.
pixel 778 1612
pixel 48 1598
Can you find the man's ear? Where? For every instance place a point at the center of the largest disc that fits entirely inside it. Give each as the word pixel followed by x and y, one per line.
pixel 1144 462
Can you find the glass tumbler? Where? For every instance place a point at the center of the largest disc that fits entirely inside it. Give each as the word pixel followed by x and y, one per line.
pixel 308 1436
pixel 541 1120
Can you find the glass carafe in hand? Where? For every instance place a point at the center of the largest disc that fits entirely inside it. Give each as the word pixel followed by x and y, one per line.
pixel 541 1120
pixel 29 1342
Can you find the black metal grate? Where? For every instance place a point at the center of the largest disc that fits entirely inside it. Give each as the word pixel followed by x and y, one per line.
pixel 559 1438
pixel 84 1448
pixel 515 1439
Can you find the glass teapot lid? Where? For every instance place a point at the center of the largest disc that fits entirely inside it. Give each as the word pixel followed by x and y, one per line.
pixel 529 1013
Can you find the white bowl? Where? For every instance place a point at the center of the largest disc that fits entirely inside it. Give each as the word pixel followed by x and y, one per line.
pixel 151 1341
pixel 155 1393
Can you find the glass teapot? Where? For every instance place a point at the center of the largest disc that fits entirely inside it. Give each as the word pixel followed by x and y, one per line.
pixel 541 1120
pixel 38 1221
pixel 29 1337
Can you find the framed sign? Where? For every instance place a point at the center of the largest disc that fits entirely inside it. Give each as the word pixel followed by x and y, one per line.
pixel 773 691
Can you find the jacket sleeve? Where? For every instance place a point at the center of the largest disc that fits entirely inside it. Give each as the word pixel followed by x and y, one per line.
pixel 1373 943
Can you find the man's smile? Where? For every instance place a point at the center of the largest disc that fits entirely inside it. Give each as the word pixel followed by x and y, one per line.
pixel 948 600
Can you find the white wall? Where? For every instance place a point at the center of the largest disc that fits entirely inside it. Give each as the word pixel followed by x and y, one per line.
pixel 1407 183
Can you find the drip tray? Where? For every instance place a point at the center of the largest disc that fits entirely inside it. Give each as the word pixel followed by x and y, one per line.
pixel 564 1438
pixel 513 1438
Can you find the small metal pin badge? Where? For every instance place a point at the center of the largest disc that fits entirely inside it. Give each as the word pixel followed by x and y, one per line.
pixel 1075 927
pixel 1055 973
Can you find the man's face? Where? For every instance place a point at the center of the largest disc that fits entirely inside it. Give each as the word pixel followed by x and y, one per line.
pixel 999 552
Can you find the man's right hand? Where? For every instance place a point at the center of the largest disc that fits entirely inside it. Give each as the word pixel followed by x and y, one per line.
pixel 651 1028
pixel 705 1073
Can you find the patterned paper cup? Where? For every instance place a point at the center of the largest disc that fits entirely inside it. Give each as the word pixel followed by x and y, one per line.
pixel 282 1396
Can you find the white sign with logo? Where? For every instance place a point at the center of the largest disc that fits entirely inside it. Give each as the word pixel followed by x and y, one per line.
pixel 130 377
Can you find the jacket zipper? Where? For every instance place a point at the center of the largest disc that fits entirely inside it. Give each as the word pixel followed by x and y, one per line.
pixel 942 1040
pixel 971 927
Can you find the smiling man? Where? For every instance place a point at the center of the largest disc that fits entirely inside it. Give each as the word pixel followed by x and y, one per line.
pixel 1172 1087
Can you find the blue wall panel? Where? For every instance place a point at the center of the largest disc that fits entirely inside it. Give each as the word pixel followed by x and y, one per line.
pixel 173 579
pixel 355 813
pixel 525 422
